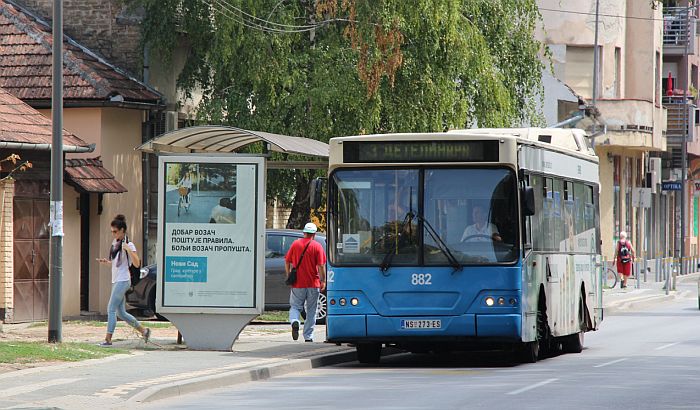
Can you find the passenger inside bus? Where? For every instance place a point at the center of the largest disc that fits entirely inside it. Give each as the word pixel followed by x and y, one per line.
pixel 480 230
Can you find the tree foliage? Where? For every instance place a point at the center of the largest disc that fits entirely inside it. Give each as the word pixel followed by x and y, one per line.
pixel 365 66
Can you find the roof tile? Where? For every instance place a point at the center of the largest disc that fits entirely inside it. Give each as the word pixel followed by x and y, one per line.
pixel 25 66
pixel 90 176
pixel 21 123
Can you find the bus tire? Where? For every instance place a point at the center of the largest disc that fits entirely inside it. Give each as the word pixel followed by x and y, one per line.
pixel 574 343
pixel 529 352
pixel 368 353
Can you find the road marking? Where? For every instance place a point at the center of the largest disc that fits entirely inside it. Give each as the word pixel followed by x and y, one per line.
pixel 668 345
pixel 612 362
pixel 14 391
pixel 534 386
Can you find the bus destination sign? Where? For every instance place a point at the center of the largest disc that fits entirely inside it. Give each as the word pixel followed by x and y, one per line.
pixel 420 151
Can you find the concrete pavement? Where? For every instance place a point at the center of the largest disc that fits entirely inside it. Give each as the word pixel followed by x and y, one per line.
pixel 151 373
pixel 648 293
pixel 262 351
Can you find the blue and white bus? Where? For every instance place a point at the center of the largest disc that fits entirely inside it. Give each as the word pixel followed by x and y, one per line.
pixel 461 240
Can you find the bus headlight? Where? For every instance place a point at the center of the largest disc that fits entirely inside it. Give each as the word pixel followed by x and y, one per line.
pixel 501 301
pixel 342 301
pixel 513 301
pixel 489 301
pixel 354 301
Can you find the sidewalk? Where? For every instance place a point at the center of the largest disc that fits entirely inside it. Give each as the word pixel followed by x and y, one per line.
pixel 152 373
pixel 648 293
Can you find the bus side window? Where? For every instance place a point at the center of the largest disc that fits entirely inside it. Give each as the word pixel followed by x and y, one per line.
pixel 548 224
pixel 527 233
pixel 536 220
pixel 569 216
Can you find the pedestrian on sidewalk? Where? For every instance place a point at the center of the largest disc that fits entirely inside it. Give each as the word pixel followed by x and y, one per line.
pixel 309 259
pixel 122 254
pixel 624 258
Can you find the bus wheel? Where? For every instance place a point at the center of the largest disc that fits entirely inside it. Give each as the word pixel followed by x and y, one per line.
pixel 529 352
pixel 368 353
pixel 574 343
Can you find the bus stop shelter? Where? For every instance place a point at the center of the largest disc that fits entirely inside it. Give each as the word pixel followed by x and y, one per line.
pixel 211 280
pixel 218 139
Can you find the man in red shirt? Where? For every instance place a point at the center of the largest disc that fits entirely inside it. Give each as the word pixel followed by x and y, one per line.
pixel 311 279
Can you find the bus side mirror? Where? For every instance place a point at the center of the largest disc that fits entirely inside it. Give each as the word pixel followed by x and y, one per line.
pixel 528 201
pixel 316 193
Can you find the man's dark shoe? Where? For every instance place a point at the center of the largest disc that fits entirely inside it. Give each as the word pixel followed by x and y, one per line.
pixel 295 330
pixel 308 340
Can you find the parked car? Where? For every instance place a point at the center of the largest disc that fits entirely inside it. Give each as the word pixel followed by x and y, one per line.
pixel 277 243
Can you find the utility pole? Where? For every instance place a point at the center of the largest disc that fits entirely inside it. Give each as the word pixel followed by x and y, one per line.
pixel 56 242
pixel 595 70
pixel 684 144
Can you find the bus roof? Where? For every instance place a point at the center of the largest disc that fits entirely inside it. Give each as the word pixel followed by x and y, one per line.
pixel 561 139
pixel 570 141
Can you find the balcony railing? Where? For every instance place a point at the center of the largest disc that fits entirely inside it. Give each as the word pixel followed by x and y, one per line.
pixel 680 118
pixel 679 29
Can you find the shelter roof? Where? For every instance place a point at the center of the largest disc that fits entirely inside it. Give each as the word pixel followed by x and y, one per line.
pixel 225 139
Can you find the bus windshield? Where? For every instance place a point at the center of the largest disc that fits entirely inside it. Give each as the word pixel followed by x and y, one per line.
pixel 377 212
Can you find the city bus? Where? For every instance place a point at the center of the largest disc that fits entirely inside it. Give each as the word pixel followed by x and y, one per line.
pixel 471 239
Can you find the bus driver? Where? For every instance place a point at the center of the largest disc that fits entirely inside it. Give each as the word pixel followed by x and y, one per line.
pixel 481 230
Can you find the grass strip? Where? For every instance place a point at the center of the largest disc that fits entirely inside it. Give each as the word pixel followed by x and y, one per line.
pixel 274 316
pixel 32 352
pixel 96 323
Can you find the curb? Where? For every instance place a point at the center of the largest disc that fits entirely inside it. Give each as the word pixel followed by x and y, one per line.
pixel 637 302
pixel 251 373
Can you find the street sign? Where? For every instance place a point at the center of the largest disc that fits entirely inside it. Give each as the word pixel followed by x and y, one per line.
pixel 671 186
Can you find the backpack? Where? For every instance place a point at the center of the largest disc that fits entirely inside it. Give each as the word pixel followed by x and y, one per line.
pixel 624 252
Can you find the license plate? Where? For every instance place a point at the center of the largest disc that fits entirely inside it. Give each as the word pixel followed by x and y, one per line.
pixel 421 324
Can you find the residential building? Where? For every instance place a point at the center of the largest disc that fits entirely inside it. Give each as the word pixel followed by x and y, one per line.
pixel 104 105
pixel 681 59
pixel 631 124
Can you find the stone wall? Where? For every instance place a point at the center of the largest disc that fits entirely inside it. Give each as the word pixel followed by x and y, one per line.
pixel 7 189
pixel 103 26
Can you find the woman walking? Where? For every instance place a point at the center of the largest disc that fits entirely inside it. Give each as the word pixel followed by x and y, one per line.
pixel 121 255
pixel 624 257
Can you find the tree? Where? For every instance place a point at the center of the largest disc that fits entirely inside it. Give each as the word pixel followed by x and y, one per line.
pixel 323 68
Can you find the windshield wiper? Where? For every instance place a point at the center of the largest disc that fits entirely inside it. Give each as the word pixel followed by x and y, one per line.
pixel 386 262
pixel 441 245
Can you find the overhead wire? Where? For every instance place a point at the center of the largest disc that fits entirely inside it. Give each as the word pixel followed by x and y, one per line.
pixel 239 16
pixel 601 14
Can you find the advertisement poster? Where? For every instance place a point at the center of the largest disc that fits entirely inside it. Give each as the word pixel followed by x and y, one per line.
pixel 209 234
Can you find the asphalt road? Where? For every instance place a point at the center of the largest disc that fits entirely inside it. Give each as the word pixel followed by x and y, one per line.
pixel 637 360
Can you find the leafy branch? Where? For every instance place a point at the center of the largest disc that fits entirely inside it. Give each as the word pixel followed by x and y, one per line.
pixel 19 166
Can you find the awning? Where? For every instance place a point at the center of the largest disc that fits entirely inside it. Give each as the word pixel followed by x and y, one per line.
pixel 88 175
pixel 224 139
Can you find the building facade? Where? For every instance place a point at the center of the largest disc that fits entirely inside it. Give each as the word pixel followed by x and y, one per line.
pixel 104 106
pixel 681 59
pixel 630 122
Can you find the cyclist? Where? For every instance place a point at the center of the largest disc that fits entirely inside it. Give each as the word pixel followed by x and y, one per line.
pixel 186 182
